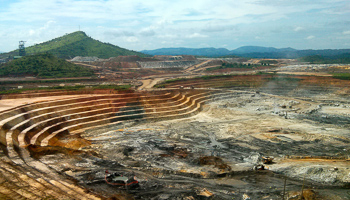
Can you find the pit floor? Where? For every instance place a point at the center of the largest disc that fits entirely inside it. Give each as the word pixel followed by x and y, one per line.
pixel 166 156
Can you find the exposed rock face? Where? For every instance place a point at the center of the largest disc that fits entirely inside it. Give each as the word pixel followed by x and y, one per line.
pixel 130 59
pixel 84 59
pixel 168 64
pixel 183 61
pixel 126 59
pixel 183 57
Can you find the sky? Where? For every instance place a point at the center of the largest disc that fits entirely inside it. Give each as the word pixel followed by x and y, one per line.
pixel 152 24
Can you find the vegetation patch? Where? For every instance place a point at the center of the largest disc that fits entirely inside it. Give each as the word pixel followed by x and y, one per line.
pixel 230 84
pixel 49 81
pixel 159 86
pixel 112 87
pixel 233 65
pixel 67 88
pixel 342 76
pixel 175 80
pixel 164 84
pixel 207 77
pixel 284 78
pixel 317 59
pixel 45 66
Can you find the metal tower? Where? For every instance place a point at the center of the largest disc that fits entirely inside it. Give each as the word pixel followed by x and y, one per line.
pixel 22 49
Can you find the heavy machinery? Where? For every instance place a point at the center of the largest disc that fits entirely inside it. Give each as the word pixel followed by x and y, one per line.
pixel 117 179
pixel 267 159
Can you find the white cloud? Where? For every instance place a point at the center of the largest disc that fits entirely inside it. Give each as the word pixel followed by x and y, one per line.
pixel 41 30
pixel 119 33
pixel 310 37
pixel 31 32
pixel 169 36
pixel 132 39
pixel 149 31
pixel 132 22
pixel 196 35
pixel 215 27
pixel 299 28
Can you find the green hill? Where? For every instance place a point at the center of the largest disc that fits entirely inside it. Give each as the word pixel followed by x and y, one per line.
pixel 76 44
pixel 317 59
pixel 45 66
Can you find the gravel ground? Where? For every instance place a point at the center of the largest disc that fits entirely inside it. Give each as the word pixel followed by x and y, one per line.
pixel 217 149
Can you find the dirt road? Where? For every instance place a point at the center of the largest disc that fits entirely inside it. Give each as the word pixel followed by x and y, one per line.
pixel 149 83
pixel 188 70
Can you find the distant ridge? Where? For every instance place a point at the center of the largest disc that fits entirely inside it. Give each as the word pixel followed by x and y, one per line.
pixel 212 52
pixel 76 44
pixel 248 51
pixel 188 51
pixel 258 49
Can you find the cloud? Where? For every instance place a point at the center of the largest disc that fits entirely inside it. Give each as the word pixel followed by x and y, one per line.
pixel 339 10
pixel 31 32
pixel 147 32
pixel 42 29
pixel 132 39
pixel 193 12
pixel 169 36
pixel 219 28
pixel 310 37
pixel 119 33
pixel 196 35
pixel 138 24
pixel 299 28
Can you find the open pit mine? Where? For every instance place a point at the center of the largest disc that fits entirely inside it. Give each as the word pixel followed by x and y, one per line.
pixel 252 136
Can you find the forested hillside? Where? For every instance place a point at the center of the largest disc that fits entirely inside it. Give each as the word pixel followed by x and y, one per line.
pixel 44 66
pixel 76 44
pixel 318 59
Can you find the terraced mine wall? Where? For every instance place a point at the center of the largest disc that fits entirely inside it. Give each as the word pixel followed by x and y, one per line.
pixel 299 86
pixel 168 64
pixel 319 157
pixel 43 93
pixel 182 57
pixel 45 123
pixel 37 137
pixel 56 126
